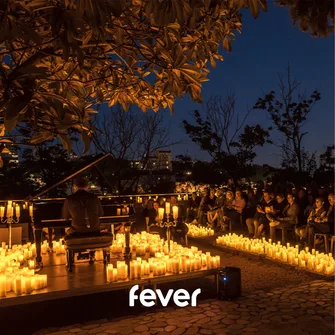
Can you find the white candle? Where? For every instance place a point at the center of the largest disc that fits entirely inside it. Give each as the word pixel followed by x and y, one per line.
pixel 9 210
pixel 26 283
pixel 17 211
pixel 31 265
pixel 18 285
pixel 160 213
pixel 3 289
pixel 31 208
pixel 2 211
pixel 167 207
pixel 110 273
pixel 175 212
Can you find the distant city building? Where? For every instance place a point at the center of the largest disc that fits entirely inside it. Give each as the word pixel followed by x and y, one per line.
pixel 161 161
pixel 73 156
pixel 10 155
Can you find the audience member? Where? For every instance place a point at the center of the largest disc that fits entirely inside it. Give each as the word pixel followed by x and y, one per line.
pixel 259 223
pixel 288 219
pixel 317 213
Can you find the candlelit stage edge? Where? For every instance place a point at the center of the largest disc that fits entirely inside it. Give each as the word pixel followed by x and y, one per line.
pixel 150 262
pixel 89 279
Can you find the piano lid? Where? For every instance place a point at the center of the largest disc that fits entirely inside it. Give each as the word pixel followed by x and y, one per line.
pixel 46 190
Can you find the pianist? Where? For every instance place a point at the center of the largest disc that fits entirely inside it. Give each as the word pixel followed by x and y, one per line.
pixel 84 208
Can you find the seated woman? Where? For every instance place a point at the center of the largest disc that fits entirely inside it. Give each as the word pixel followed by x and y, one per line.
pixel 324 224
pixel 289 217
pixel 213 213
pixel 259 223
pixel 211 199
pixel 318 213
pixel 149 213
pixel 310 206
pixel 154 224
pixel 179 232
pixel 223 219
pixel 235 211
pixel 193 206
pixel 203 207
pixel 250 209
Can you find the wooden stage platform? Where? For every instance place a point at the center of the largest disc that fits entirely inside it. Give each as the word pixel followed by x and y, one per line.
pixel 86 279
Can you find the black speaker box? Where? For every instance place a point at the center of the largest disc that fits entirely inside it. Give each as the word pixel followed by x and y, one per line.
pixel 229 283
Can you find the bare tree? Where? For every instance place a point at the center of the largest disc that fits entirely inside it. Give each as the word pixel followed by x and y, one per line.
pixel 131 136
pixel 289 114
pixel 224 120
pixel 221 131
pixel 118 130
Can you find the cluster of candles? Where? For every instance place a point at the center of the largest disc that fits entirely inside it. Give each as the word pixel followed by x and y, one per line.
pixel 17 270
pixel 180 260
pixel 14 210
pixel 313 261
pixel 179 198
pixel 124 210
pixel 167 211
pixel 140 244
pixel 195 231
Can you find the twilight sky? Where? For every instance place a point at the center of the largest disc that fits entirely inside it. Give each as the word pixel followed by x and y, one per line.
pixel 262 52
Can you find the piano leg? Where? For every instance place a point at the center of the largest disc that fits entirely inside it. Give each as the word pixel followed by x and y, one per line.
pixel 50 232
pixel 38 242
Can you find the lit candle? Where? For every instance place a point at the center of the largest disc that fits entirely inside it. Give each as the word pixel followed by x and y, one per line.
pixel 160 213
pixel 167 207
pixel 26 285
pixel 18 285
pixel 31 208
pixel 17 211
pixel 2 211
pixel 3 286
pixel 9 210
pixel 118 211
pixel 175 212
pixel 31 265
pixel 109 272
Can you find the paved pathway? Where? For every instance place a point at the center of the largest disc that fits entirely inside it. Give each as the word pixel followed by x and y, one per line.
pixel 305 309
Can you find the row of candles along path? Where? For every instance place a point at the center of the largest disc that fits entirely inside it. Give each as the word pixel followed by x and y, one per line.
pixel 180 260
pixel 313 261
pixel 17 270
pixel 195 231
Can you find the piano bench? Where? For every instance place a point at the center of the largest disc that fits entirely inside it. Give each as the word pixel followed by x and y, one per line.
pixel 75 243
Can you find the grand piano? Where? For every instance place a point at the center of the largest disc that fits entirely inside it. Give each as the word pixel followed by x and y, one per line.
pixel 47 213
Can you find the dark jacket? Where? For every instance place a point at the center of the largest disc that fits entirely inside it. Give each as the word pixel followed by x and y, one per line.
pixel 291 214
pixel 329 219
pixel 85 209
pixel 317 214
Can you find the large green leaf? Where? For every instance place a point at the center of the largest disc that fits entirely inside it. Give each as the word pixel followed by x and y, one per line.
pixel 66 142
pixel 86 140
pixel 14 107
pixel 40 137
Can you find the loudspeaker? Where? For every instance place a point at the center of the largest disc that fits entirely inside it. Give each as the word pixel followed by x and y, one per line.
pixel 229 283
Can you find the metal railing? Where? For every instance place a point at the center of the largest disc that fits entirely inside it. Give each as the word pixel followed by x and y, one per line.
pixel 109 197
